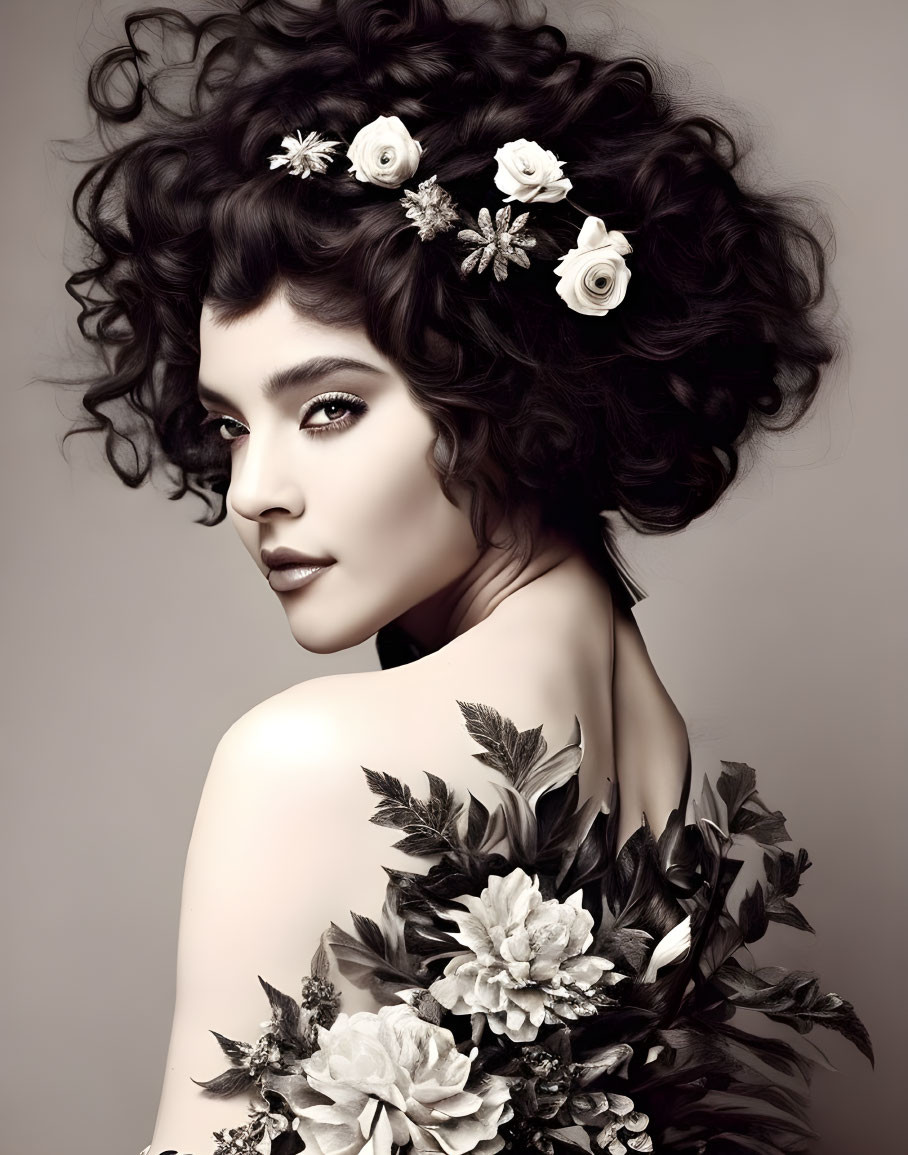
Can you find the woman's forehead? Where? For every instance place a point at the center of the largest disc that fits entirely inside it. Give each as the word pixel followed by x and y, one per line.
pixel 277 345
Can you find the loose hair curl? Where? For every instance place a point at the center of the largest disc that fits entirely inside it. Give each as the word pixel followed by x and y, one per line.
pixel 643 411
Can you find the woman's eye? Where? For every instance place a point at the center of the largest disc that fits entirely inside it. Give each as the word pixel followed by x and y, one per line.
pixel 221 425
pixel 338 412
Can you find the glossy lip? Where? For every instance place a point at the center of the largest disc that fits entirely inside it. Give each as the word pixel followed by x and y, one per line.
pixel 285 578
pixel 275 558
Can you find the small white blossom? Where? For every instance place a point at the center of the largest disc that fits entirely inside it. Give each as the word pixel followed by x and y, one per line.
pixel 384 153
pixel 304 156
pixel 529 172
pixel 594 276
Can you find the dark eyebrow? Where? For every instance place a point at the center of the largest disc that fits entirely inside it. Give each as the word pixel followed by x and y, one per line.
pixel 303 374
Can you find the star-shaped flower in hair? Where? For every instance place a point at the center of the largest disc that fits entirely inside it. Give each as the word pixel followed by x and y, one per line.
pixel 303 156
pixel 498 243
pixel 430 209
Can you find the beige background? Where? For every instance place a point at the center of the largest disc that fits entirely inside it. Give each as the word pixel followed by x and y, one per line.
pixel 134 637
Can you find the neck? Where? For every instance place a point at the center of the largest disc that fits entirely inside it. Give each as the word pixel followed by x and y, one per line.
pixel 496 575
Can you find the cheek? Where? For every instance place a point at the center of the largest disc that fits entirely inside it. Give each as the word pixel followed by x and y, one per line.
pixel 393 496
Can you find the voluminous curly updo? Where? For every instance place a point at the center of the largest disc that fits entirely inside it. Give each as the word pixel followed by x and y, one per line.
pixel 641 411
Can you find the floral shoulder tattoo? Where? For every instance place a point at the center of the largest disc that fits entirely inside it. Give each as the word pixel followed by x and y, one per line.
pixel 539 992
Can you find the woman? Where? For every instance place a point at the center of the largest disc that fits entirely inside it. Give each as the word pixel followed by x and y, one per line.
pixel 315 283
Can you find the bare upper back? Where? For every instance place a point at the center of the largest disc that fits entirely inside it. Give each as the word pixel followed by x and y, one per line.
pixel 283 844
pixel 541 660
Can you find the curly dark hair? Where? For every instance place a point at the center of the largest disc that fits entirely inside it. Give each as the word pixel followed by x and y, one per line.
pixel 644 411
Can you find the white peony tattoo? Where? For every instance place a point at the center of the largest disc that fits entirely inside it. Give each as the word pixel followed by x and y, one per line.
pixel 524 965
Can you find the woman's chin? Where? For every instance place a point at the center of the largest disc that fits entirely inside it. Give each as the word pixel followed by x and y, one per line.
pixel 330 637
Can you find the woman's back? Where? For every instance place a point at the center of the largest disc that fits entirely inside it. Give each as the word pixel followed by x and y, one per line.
pixel 552 650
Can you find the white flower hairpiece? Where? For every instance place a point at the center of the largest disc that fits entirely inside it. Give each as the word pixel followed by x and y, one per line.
pixel 592 277
pixel 529 172
pixel 498 243
pixel 303 157
pixel 384 153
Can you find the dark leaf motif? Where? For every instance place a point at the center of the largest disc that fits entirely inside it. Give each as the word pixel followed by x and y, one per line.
pixel 724 938
pixel 370 932
pixel 587 860
pixel 731 1111
pixel 737 783
pixel 767 829
pixel 775 1053
pixel 513 753
pixel 319 967
pixel 497 736
pixel 230 1082
pixel 784 869
pixel 782 1098
pixel 796 999
pixel 238 1053
pixel 431 825
pixel 362 965
pixel 495 831
pixel 779 909
pixel 285 1012
pixel 477 823
pixel 752 916
pixel 538 778
pixel 626 946
pixel 711 820
pixel 679 852
pixel 559 822
pixel 747 813
pixel 396 805
pixel 520 823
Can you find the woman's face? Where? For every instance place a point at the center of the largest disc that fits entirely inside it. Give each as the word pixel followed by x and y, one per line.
pixel 332 458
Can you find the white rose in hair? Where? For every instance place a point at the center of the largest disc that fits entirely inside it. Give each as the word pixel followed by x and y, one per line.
pixel 528 172
pixel 594 277
pixel 384 153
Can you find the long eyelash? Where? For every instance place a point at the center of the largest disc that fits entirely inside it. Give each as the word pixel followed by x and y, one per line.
pixel 216 420
pixel 354 404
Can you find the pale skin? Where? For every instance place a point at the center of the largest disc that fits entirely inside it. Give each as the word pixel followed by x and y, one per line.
pixel 282 843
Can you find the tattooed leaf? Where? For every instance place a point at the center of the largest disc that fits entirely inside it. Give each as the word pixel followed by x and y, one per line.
pixel 285 1010
pixel 395 805
pixel 431 825
pixel 370 932
pixel 495 734
pixel 477 822
pixel 319 967
pixel 230 1082
pixel 235 1051
pixel 752 917
pixel 553 772
pixel 360 963
pixel 781 910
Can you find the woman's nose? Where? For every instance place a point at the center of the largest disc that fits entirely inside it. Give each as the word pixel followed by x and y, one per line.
pixel 264 480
